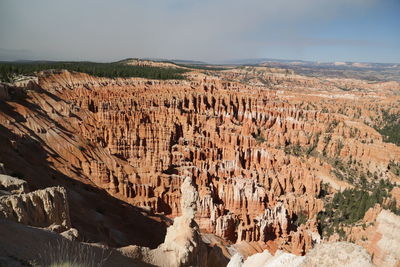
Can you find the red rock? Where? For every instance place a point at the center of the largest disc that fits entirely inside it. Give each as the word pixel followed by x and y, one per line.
pixel 138 138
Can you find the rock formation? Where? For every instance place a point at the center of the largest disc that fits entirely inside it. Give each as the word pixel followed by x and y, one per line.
pixel 378 235
pixel 183 245
pixel 337 254
pixel 236 261
pixel 139 154
pixel 257 154
pixel 385 240
pixel 333 254
pixel 12 185
pixel 21 244
pixel 42 208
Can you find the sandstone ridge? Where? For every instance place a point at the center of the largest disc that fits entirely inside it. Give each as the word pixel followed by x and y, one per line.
pixel 261 157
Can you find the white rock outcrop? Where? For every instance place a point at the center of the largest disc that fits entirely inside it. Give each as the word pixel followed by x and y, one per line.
pixel 236 261
pixel 183 245
pixel 329 254
pixel 387 251
pixel 42 208
pixel 12 185
pixel 337 254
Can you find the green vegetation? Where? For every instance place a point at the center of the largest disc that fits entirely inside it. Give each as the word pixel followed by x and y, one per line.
pixel 201 67
pixel 344 88
pixel 332 125
pixel 310 150
pixel 294 150
pixel 351 173
pixel 299 151
pixel 259 138
pixel 347 171
pixel 110 70
pixel 394 168
pixel 348 207
pixel 301 219
pixel 391 129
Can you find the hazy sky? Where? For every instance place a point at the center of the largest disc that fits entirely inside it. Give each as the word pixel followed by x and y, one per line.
pixel 210 30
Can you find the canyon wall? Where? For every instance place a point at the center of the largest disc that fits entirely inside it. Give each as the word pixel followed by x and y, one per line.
pixel 257 157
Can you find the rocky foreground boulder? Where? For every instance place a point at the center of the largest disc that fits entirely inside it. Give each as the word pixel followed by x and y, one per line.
pixel 385 243
pixel 331 254
pixel 23 245
pixel 30 230
pixel 42 208
pixel 183 245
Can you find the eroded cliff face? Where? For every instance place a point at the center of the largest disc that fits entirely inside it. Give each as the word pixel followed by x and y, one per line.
pixel 41 208
pixel 31 225
pixel 257 156
pixel 138 137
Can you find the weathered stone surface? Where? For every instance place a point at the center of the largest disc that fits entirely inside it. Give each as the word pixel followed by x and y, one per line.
pixel 42 208
pixel 257 156
pixel 207 130
pixel 236 261
pixel 378 235
pixel 337 254
pixel 385 245
pixel 183 245
pixel 334 254
pixel 13 185
pixel 24 245
pixel 71 234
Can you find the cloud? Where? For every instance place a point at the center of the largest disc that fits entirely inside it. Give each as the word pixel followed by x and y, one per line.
pixel 191 29
pixel 227 28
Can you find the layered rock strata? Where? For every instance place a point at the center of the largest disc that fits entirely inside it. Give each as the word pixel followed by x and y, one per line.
pixel 204 127
pixel 257 157
pixel 42 208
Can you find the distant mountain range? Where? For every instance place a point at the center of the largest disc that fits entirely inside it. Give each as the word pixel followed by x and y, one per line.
pixel 357 70
pixel 179 61
pixel 260 61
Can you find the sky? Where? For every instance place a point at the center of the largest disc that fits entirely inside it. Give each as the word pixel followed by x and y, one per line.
pixel 207 30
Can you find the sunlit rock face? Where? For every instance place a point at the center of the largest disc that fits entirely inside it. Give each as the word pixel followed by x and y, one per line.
pixel 138 139
pixel 333 254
